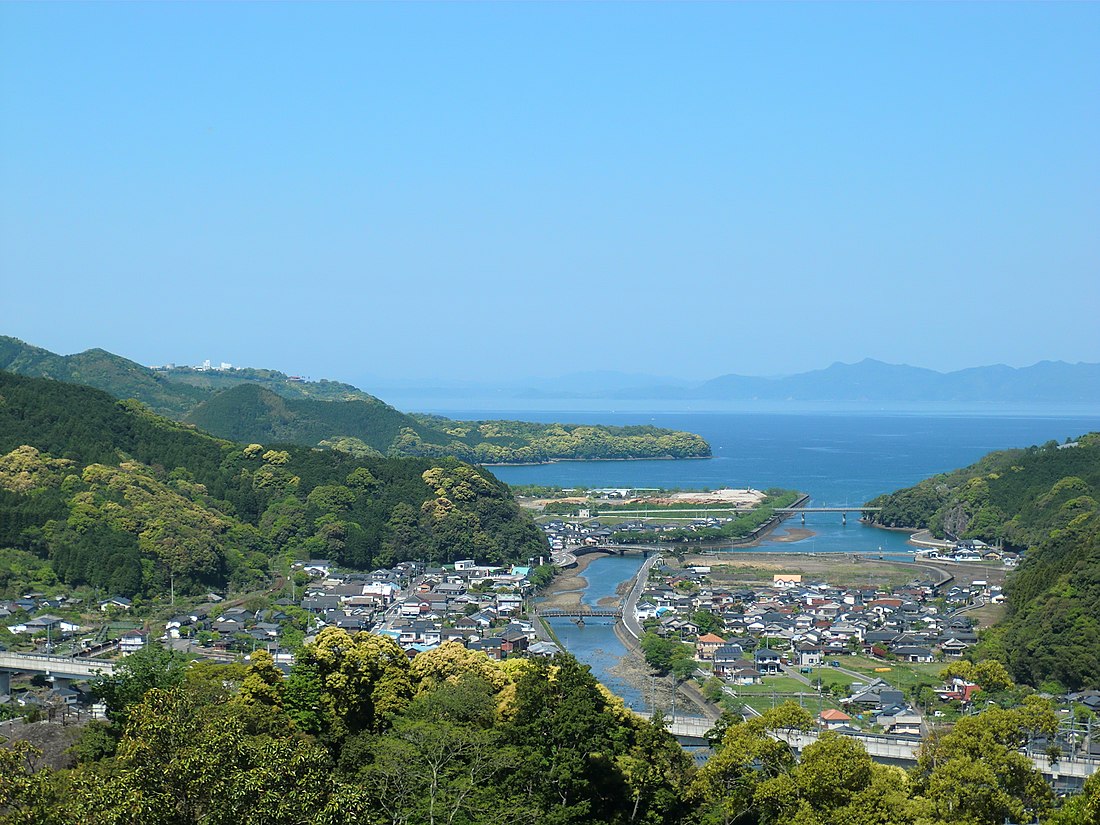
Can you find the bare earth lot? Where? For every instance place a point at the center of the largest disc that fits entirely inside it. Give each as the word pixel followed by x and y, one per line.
pixel 842 570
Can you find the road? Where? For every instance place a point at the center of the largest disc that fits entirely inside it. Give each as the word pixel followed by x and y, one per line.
pixel 794 674
pixel 630 619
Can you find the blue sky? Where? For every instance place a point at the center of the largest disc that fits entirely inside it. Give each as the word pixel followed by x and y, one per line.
pixel 491 191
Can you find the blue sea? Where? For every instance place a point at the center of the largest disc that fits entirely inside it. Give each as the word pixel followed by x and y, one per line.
pixel 840 459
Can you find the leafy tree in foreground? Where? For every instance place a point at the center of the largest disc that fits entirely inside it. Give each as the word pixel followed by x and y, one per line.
pixel 357 682
pixel 180 763
pixel 151 667
pixel 748 755
pixel 976 773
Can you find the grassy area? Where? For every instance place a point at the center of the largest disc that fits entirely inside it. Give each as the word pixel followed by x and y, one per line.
pixel 830 676
pixel 738 573
pixel 902 675
pixel 776 684
pixel 988 615
pixel 761 702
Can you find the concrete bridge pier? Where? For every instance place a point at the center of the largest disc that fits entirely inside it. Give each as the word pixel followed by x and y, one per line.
pixel 803 518
pixel 5 682
pixel 844 518
pixel 60 682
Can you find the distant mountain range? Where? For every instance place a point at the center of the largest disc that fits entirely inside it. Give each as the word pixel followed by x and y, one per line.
pixel 870 380
pixel 1047 382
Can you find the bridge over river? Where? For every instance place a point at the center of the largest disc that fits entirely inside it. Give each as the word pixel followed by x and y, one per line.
pixel 581 612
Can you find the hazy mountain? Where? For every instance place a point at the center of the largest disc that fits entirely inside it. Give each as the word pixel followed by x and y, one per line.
pixel 866 381
pixel 1047 382
pixel 870 380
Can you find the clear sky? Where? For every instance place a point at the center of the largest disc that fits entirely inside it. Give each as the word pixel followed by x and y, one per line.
pixel 493 191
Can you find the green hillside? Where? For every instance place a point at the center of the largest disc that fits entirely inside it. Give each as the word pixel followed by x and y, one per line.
pixel 1012 496
pixel 250 412
pixel 1042 500
pixel 98 368
pixel 116 497
pixel 278 382
pixel 267 405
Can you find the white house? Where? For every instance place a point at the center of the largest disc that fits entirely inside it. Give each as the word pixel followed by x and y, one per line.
pixel 132 641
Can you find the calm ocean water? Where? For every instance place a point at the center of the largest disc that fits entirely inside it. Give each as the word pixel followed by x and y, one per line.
pixel 839 459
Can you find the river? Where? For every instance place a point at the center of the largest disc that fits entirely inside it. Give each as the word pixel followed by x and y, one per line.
pixel 839 459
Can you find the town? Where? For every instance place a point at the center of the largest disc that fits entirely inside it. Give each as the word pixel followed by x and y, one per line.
pixel 866 659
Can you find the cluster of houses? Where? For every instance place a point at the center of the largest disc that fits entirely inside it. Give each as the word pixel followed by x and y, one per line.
pixel 32 614
pixel 969 550
pixel 422 607
pixel 419 607
pixel 563 534
pixel 800 625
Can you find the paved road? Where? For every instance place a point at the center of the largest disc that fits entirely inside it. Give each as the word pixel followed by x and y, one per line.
pixel 794 674
pixel 630 620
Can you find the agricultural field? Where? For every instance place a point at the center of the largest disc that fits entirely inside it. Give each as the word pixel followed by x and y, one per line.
pixel 902 675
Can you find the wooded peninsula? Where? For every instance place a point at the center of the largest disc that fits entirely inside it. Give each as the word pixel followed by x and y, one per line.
pixel 270 407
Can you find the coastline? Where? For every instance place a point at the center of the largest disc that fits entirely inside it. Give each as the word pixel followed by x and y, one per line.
pixel 586 460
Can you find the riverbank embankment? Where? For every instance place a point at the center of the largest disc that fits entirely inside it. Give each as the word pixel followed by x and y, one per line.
pixel 568 586
pixel 633 666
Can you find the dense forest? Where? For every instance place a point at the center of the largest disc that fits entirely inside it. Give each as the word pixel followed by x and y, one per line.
pixel 1042 500
pixel 260 405
pixel 121 499
pixel 358 733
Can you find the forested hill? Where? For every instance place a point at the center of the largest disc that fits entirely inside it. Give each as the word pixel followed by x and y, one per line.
pixel 98 368
pixel 267 405
pixel 1014 496
pixel 118 498
pixel 252 413
pixel 1043 499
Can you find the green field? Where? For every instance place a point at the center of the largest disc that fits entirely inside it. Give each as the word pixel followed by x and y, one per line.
pixel 830 676
pixel 776 684
pixel 902 675
pixel 778 689
pixel 762 701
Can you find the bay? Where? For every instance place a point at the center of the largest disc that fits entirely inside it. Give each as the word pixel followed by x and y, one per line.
pixel 839 459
